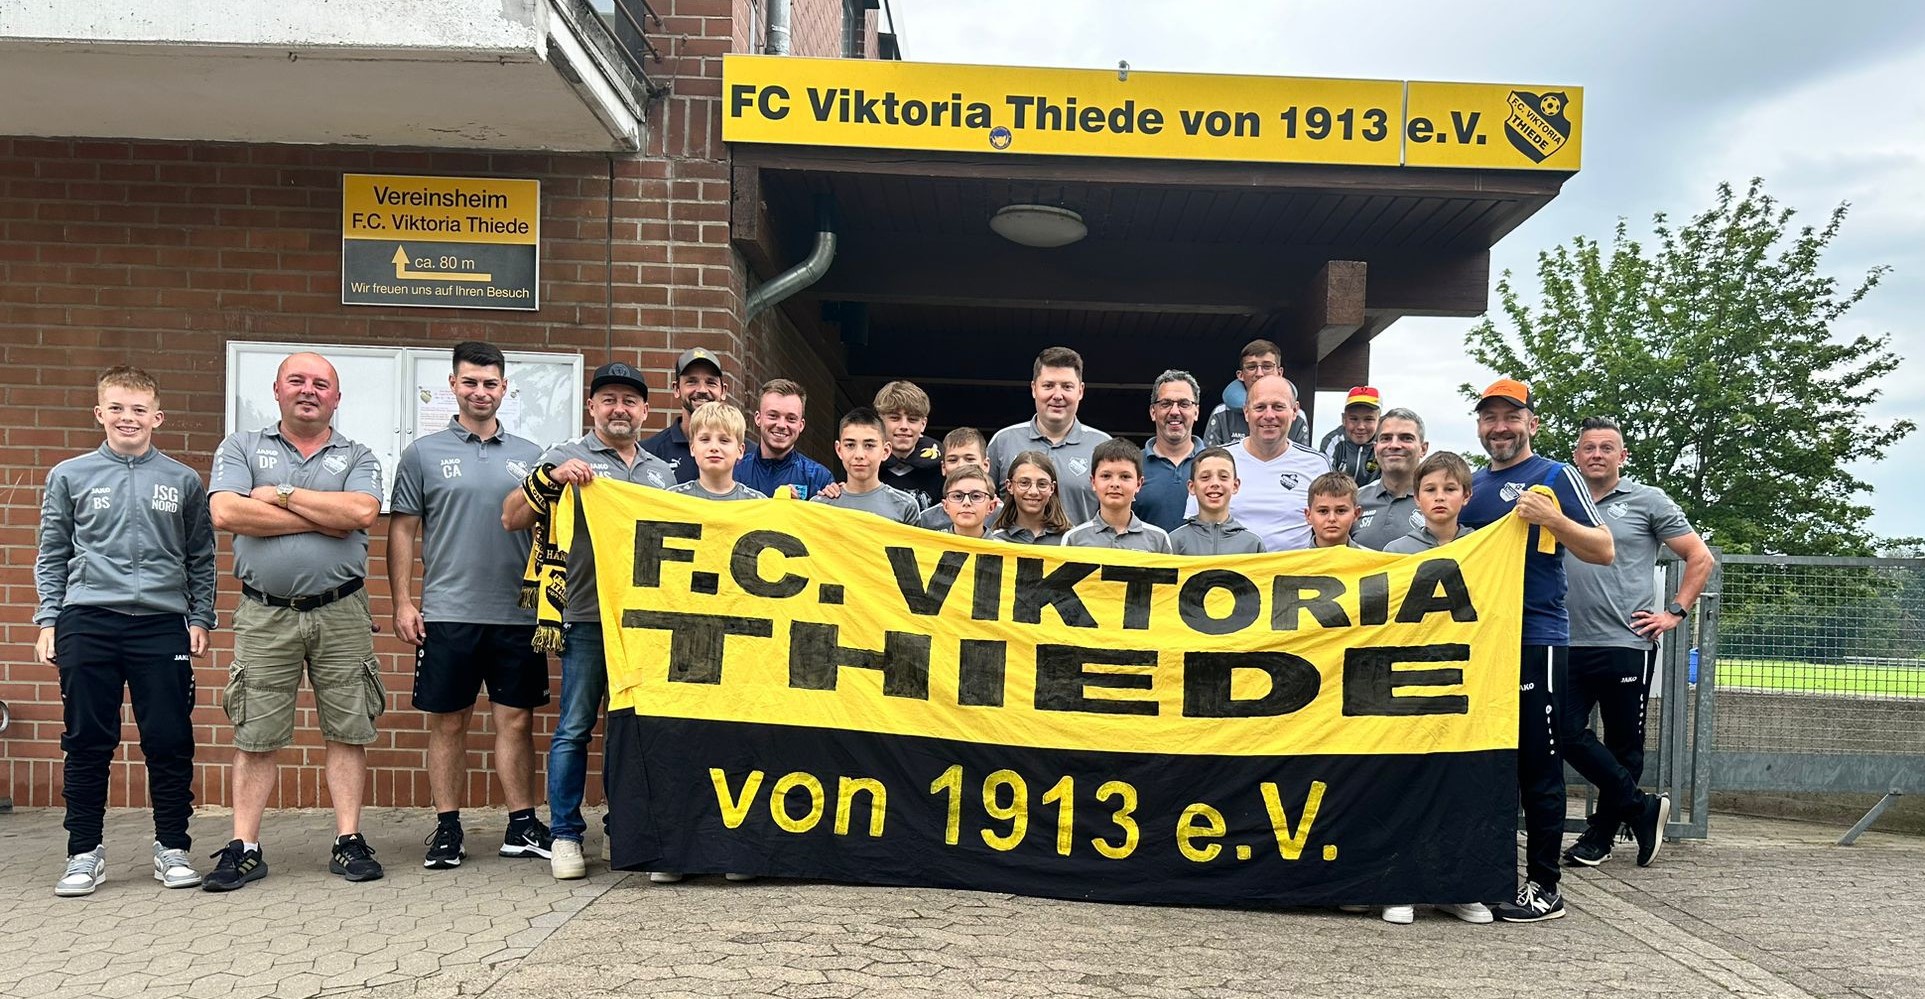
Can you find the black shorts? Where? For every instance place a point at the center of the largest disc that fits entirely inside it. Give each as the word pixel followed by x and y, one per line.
pixel 455 658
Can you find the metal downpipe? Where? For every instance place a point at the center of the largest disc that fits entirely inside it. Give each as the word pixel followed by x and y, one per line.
pixel 804 274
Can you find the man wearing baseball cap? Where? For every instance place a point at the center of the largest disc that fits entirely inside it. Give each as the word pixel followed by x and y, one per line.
pixel 698 379
pixel 1352 448
pixel 1506 422
pixel 617 405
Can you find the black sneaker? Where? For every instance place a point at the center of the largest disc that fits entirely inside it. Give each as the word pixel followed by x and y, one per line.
pixel 354 860
pixel 1534 904
pixel 234 866
pixel 444 847
pixel 1592 848
pixel 529 839
pixel 1648 827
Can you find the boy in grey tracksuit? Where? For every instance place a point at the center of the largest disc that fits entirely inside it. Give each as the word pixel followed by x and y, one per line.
pixel 1213 480
pixel 125 575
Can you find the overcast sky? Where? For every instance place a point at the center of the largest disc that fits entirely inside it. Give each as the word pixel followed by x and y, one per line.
pixel 1825 101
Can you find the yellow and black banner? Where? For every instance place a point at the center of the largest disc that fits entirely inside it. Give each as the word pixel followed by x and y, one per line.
pixel 800 690
pixel 879 104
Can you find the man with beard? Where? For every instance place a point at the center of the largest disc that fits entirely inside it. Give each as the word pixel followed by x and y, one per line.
pixel 1506 422
pixel 698 379
pixel 1166 461
pixel 469 626
pixel 617 405
pixel 1275 472
pixel 299 498
pixel 775 462
pixel 1390 503
pixel 1056 383
pixel 1615 625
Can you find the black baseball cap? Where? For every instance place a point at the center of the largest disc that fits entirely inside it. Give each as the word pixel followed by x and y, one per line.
pixel 617 373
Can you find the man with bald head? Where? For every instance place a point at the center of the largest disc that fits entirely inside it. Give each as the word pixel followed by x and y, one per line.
pixel 1275 470
pixel 299 498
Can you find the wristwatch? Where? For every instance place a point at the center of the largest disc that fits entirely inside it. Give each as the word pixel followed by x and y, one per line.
pixel 282 492
pixel 1677 610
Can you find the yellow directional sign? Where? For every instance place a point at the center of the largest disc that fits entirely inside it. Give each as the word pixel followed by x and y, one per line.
pixel 1075 112
pixel 452 242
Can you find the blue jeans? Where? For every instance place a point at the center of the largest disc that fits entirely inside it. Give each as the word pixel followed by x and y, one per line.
pixel 584 682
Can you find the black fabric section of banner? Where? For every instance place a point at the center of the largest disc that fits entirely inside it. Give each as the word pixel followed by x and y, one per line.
pixel 1389 829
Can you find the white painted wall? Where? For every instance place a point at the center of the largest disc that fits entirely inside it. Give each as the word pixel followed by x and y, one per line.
pixel 487 25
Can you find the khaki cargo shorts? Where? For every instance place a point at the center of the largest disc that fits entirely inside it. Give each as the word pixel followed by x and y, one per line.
pixel 335 644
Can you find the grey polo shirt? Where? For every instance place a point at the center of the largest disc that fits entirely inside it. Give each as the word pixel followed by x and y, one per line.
pixel 296 565
pixel 1602 598
pixel 1074 458
pixel 694 488
pixel 883 501
pixel 584 603
pixel 1022 536
pixel 1418 541
pixel 454 480
pixel 1139 536
pixel 1196 536
pixel 1384 518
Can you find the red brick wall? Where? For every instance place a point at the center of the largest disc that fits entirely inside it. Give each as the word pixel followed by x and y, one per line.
pixel 815 28
pixel 157 254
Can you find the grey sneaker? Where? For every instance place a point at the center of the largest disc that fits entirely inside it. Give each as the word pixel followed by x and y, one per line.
pixel 85 872
pixel 173 869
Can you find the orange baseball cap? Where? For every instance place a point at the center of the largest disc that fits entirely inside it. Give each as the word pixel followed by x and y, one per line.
pixel 1509 390
pixel 1364 395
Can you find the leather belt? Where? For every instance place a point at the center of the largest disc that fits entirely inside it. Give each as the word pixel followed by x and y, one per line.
pixel 306 603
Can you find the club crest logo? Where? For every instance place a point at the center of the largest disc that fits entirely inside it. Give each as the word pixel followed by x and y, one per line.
pixel 1618 511
pixel 517 470
pixel 1000 137
pixel 1079 466
pixel 1416 520
pixel 1290 480
pixel 1537 124
pixel 1512 490
pixel 335 463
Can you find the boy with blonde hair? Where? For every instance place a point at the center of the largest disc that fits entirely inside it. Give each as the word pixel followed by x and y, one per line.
pixel 914 460
pixel 1443 487
pixel 125 576
pixel 717 436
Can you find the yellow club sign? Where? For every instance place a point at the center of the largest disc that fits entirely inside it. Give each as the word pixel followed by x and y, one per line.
pixel 1073 112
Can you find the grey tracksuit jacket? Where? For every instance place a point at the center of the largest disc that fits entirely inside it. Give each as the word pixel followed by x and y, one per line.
pixel 131 535
pixel 1198 537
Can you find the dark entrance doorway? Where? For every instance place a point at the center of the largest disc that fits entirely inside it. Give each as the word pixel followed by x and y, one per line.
pixel 1184 262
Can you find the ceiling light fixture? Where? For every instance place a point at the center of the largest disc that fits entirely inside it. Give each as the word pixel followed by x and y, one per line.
pixel 1042 226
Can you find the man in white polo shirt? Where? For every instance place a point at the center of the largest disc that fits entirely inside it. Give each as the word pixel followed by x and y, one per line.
pixel 1275 471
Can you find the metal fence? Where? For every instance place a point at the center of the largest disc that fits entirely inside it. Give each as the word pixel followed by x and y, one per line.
pixel 1818 670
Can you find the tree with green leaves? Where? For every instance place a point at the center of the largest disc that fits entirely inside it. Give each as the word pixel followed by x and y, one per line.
pixel 1718 354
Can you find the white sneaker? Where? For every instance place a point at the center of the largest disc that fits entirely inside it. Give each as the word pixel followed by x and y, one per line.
pixel 664 877
pixel 1469 912
pixel 1402 915
pixel 739 877
pixel 173 869
pixel 566 862
pixel 85 872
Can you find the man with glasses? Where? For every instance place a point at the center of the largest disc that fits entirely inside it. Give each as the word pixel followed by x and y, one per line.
pixel 1227 425
pixel 1166 461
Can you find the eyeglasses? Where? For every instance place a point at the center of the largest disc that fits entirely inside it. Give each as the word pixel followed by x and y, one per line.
pixel 1031 485
pixel 976 496
pixel 1165 405
pixel 1262 367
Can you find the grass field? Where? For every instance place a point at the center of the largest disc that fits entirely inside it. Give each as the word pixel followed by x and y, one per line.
pixel 1811 678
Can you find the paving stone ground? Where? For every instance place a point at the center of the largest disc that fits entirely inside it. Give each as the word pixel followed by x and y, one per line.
pixel 1764 909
